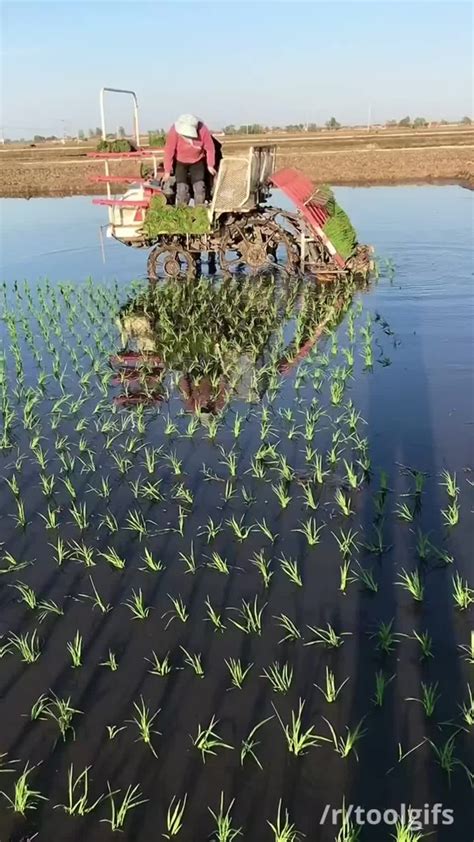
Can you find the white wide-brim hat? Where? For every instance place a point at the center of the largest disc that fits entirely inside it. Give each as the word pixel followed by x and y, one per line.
pixel 187 125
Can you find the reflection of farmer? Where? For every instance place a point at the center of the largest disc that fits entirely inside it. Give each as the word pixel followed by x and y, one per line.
pixel 200 396
pixel 190 152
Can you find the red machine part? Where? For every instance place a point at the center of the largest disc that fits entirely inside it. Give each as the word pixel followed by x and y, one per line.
pixel 300 190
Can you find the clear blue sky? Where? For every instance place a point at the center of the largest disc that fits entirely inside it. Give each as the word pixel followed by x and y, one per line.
pixel 234 62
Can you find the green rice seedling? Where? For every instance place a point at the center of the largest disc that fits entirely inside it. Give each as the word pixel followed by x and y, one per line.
pixel 69 486
pixel 331 691
pixel 386 638
pixel 189 560
pixel 337 388
pixel 290 568
pixel 311 531
pixel 249 744
pixel 423 545
pixel 51 517
pixel 61 551
pixel 27 645
pixel 41 706
pixel 178 612
pixel 193 660
pixel 114 730
pixel 426 643
pixel 152 564
pixel 404 512
pixel 468 649
pixel 229 490
pixel 279 676
pixel 343 745
pixel 119 811
pixel 352 478
pixel 4 764
pixel 122 462
pixel 327 637
pixel 449 482
pixel 20 517
pixel 82 553
pixel 224 831
pixel 309 498
pixel 451 514
pixel 298 740
pixel 284 470
pixel 174 816
pixel 412 583
pixel 47 484
pixel 346 542
pixel 446 758
pixel 159 666
pixel 96 599
pixel 344 575
pixel 263 566
pixel 113 558
pixel 404 833
pixel 27 594
pixel 174 462
pixel 344 502
pixel 281 492
pixel 381 683
pixel 104 490
pixel 214 617
pixel 74 647
pixel 192 428
pixel 180 492
pixel 467 708
pixel 144 720
pixel 213 423
pixel 250 617
pixel 240 531
pixel 80 516
pixel 230 460
pixel 211 529
pixel 47 607
pixel 137 607
pixel 62 713
pixel 208 740
pixel 348 831
pixel 238 673
pixel 283 829
pixel 13 485
pixel 110 662
pixel 24 798
pixel 286 623
pixel 78 794
pixel 170 427
pixel 463 595
pixel 218 563
pixel 135 522
pixel 265 529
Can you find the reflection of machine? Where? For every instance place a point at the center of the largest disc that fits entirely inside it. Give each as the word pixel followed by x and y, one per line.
pixel 239 227
pixel 219 341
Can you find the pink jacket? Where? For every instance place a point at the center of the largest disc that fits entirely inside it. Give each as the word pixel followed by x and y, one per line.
pixel 187 150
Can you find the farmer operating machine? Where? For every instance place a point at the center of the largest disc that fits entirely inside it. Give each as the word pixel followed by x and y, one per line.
pixel 238 225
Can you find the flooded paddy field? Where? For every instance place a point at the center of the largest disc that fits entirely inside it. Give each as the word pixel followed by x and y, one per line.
pixel 236 585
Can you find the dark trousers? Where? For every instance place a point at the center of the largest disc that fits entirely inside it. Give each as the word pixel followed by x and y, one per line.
pixel 194 175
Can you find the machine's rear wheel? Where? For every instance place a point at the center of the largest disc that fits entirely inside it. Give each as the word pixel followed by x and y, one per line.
pixel 254 243
pixel 171 261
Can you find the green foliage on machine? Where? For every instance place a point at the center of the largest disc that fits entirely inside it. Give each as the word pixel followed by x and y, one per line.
pixel 170 219
pixel 118 145
pixel 338 227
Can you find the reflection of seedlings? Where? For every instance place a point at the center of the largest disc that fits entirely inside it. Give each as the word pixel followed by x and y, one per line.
pixel 377 546
pixel 447 760
pixel 423 545
pixel 366 576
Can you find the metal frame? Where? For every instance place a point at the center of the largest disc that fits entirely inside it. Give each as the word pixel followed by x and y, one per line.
pixel 104 131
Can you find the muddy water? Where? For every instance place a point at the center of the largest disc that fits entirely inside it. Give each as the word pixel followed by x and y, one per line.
pixel 417 404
